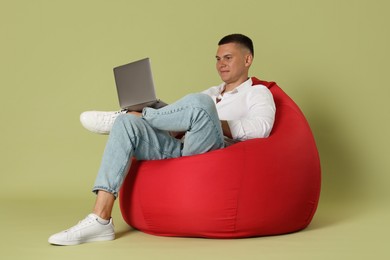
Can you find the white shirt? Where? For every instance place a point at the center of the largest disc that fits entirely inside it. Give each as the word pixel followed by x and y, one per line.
pixel 249 110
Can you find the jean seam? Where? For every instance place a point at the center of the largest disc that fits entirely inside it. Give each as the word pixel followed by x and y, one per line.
pixel 210 119
pixel 121 173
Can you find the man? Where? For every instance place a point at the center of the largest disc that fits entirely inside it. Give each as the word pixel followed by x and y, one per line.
pixel 231 112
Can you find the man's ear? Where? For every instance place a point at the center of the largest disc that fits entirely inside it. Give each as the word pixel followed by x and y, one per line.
pixel 248 60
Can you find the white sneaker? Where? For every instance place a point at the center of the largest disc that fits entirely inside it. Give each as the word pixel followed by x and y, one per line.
pixel 87 230
pixel 99 122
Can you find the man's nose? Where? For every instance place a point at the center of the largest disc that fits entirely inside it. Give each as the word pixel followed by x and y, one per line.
pixel 221 63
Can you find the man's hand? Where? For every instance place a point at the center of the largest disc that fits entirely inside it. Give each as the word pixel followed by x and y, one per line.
pixel 135 113
pixel 177 135
pixel 226 129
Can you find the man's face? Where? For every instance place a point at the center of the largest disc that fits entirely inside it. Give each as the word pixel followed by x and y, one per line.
pixel 233 62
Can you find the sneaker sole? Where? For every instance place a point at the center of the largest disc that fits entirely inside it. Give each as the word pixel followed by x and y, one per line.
pixel 81 241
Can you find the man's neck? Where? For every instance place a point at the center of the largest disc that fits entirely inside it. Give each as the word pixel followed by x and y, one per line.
pixel 231 86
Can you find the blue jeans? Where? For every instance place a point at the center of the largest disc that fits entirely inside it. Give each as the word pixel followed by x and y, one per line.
pixel 147 137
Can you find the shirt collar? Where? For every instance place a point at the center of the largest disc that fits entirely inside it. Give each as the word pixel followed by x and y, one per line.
pixel 243 85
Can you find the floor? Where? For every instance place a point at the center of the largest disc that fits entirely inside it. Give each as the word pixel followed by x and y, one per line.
pixel 333 234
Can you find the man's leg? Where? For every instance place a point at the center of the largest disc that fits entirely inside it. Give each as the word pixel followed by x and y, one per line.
pixel 130 136
pixel 194 114
pixel 104 204
pixel 146 138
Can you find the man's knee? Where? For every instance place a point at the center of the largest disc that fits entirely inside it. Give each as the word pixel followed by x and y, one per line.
pixel 123 118
pixel 126 121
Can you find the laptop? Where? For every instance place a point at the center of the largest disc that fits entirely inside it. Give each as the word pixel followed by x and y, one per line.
pixel 135 87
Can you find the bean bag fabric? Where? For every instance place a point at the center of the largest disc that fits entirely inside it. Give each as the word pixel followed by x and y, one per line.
pixel 258 187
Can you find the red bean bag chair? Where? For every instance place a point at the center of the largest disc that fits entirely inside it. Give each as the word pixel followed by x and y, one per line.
pixel 258 187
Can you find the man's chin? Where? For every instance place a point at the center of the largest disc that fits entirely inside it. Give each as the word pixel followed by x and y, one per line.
pixel 224 78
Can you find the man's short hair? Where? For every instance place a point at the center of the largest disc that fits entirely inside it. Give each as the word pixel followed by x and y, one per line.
pixel 241 39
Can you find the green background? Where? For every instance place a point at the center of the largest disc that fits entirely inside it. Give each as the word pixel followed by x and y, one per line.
pixel 56 60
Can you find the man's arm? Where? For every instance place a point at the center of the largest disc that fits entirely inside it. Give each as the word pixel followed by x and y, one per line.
pixel 259 120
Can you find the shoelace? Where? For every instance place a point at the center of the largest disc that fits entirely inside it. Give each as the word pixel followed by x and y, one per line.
pixel 108 118
pixel 117 113
pixel 122 111
pixel 82 223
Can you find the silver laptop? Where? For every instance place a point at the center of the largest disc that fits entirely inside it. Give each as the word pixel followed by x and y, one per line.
pixel 135 87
